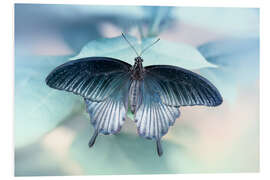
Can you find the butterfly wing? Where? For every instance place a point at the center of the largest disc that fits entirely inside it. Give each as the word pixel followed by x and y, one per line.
pixel 104 84
pixel 94 78
pixel 162 91
pixel 153 118
pixel 108 116
pixel 180 87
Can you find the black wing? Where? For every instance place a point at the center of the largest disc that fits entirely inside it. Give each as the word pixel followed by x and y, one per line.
pixel 181 87
pixel 94 78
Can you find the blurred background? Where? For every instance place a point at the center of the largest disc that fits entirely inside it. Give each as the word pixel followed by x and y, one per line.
pixel 52 128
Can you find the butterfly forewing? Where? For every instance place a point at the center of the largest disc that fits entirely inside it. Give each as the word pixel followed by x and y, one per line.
pixel 94 78
pixel 180 87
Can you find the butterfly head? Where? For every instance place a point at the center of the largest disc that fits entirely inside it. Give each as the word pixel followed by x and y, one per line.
pixel 138 59
pixel 137 69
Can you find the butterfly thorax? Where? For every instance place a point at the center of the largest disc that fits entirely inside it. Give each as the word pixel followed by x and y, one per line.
pixel 137 69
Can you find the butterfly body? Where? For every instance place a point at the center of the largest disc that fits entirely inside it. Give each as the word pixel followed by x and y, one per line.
pixel 137 73
pixel 153 93
pixel 135 94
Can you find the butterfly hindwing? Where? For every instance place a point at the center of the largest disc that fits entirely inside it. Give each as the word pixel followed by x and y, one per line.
pixel 108 116
pixel 153 118
pixel 180 87
pixel 94 78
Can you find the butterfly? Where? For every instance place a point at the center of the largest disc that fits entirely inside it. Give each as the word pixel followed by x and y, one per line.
pixel 154 94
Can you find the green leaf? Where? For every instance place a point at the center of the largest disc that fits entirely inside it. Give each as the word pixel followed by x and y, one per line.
pixel 164 52
pixel 221 78
pixel 175 54
pixel 38 108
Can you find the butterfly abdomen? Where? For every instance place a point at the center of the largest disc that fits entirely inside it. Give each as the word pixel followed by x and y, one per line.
pixel 135 95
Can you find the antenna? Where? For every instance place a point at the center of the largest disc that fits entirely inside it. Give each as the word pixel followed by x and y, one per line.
pixel 149 46
pixel 130 44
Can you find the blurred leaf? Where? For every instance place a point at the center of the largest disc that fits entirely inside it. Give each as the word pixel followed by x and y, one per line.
pixel 238 61
pixel 110 47
pixel 164 52
pixel 175 54
pixel 38 108
pixel 222 80
pixel 239 57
